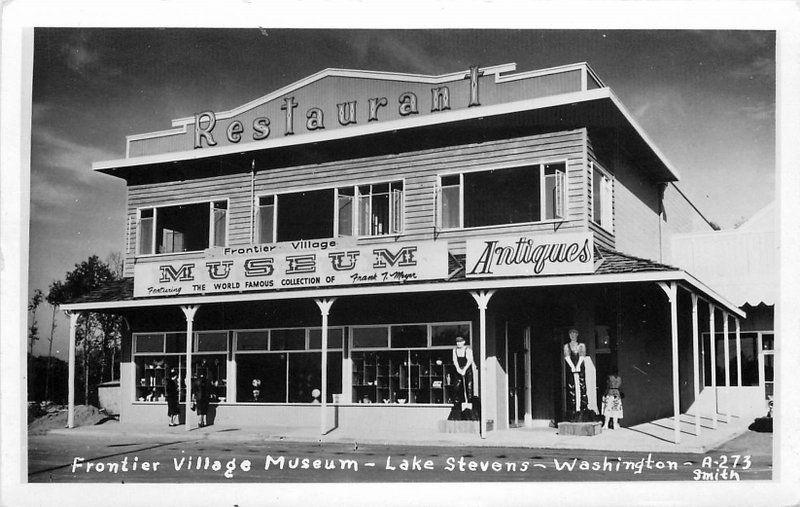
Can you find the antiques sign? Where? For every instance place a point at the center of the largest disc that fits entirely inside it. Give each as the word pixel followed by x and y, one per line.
pixel 290 266
pixel 530 254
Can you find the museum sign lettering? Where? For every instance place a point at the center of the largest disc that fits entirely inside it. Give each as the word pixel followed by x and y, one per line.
pixel 301 264
pixel 530 254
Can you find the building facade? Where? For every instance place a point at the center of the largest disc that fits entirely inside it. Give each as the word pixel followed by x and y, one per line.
pixel 337 234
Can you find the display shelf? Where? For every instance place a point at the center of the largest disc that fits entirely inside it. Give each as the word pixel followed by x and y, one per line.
pixel 419 376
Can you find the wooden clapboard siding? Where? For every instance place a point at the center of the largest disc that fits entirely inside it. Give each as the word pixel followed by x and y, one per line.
pixel 601 236
pixel 418 171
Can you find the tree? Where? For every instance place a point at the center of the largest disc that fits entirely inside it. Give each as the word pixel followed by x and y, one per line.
pixel 94 329
pixel 33 329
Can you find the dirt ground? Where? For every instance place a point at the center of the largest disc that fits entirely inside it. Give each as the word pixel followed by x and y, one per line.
pixel 55 416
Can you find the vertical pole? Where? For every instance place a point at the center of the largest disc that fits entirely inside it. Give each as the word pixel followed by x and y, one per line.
pixel 189 312
pixel 324 309
pixel 73 328
pixel 528 383
pixel 482 299
pixel 696 358
pixel 712 330
pixel 726 347
pixel 671 290
pixel 508 374
pixel 738 352
pixel 676 407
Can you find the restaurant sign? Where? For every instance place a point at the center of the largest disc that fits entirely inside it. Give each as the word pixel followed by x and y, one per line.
pixel 291 266
pixel 530 254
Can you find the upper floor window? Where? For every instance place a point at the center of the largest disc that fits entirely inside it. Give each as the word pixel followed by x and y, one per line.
pixel 502 196
pixel 364 210
pixel 371 210
pixel 602 198
pixel 182 227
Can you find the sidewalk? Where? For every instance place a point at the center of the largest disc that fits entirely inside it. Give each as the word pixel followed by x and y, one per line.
pixel 655 436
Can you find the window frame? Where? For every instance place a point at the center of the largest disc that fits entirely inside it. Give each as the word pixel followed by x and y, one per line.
pixel 356 208
pixel 429 329
pixel 257 206
pixel 607 176
pixel 154 234
pixel 542 197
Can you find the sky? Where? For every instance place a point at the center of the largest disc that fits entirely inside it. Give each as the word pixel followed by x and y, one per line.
pixel 706 99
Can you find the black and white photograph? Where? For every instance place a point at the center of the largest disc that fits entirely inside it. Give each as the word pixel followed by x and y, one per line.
pixel 353 257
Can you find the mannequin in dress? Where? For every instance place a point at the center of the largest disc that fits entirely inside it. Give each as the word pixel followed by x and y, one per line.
pixel 465 366
pixel 575 356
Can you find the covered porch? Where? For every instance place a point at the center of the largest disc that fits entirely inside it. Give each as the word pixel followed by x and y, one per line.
pixel 510 320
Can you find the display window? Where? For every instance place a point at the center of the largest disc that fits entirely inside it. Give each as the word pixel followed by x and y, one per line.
pixel 405 363
pixel 155 354
pixel 283 365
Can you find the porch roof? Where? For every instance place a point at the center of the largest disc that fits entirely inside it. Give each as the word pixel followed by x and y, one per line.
pixel 610 267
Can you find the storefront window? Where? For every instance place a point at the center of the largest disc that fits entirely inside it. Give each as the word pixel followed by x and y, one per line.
pixel 445 334
pixel 290 373
pixel 212 341
pixel 153 364
pixel 414 367
pixel 370 337
pixel 287 339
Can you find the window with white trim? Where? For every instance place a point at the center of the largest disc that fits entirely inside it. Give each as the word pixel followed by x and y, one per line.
pixel 182 228
pixel 515 195
pixel 374 209
pixel 265 219
pixel 602 198
pixel 405 363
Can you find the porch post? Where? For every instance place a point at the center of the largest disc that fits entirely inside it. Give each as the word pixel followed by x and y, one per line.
pixel 727 347
pixel 738 352
pixel 671 290
pixel 73 328
pixel 189 312
pixel 528 391
pixel 712 330
pixel 482 298
pixel 324 305
pixel 696 364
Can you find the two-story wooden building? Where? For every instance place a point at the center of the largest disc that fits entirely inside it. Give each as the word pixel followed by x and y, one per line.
pixel 339 233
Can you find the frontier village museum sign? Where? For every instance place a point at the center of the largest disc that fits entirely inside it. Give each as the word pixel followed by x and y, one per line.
pixel 328 263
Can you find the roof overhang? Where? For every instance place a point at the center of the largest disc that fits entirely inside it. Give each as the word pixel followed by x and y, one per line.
pixel 684 280
pixel 594 109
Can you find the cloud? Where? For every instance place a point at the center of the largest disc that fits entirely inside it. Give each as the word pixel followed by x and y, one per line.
pixel 760 66
pixel 84 56
pixel 52 150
